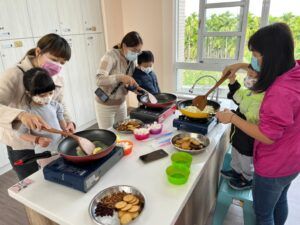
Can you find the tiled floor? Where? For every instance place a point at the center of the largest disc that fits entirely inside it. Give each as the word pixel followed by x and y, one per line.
pixel 235 213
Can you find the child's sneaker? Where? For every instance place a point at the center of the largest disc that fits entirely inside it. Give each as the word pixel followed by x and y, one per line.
pixel 230 174
pixel 240 184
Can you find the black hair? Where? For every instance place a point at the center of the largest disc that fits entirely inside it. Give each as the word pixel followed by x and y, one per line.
pixel 145 57
pixel 53 44
pixel 131 39
pixel 37 81
pixel 276 45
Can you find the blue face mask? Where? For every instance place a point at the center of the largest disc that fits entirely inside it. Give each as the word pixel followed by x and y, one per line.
pixel 254 64
pixel 131 56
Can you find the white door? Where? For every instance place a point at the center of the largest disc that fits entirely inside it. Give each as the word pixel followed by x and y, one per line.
pixel 70 17
pixel 43 17
pixel 13 51
pixel 95 50
pixel 91 12
pixel 14 20
pixel 79 80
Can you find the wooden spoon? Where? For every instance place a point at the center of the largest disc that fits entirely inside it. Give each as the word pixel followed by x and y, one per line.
pixel 86 145
pixel 201 100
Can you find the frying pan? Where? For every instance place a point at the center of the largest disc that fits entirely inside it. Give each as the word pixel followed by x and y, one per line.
pixel 163 100
pixel 181 105
pixel 67 147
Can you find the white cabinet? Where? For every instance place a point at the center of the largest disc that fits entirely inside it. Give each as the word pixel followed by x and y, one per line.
pixel 14 22
pixel 70 17
pixel 79 80
pixel 13 51
pixel 43 17
pixel 68 100
pixel 4 162
pixel 1 66
pixel 91 12
pixel 95 49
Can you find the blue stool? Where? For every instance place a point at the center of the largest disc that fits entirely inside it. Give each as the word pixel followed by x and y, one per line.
pixel 226 163
pixel 226 195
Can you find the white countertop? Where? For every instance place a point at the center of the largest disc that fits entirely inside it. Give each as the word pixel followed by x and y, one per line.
pixel 164 201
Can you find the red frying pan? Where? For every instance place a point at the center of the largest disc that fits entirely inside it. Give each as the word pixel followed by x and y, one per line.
pixel 163 100
pixel 67 147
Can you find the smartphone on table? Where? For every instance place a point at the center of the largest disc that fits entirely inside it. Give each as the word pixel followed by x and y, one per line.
pixel 152 156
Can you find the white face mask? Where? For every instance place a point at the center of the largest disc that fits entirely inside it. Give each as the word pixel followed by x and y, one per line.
pixel 42 100
pixel 249 81
pixel 147 69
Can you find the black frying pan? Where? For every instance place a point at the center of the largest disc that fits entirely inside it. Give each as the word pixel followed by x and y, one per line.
pixel 163 100
pixel 67 147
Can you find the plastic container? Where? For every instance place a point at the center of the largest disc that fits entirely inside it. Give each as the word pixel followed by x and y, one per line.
pixel 127 146
pixel 177 174
pixel 182 158
pixel 141 134
pixel 156 128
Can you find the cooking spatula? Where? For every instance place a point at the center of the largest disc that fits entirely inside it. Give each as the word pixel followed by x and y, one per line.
pixel 86 145
pixel 201 100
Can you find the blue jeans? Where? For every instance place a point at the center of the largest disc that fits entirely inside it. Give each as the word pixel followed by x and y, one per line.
pixel 270 199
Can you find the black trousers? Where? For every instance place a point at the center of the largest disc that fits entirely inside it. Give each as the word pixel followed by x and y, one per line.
pixel 24 170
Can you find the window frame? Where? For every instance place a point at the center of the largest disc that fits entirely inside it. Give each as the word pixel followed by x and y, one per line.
pixel 215 64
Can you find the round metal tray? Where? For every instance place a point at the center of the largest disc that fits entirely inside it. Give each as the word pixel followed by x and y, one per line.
pixel 200 137
pixel 115 126
pixel 111 190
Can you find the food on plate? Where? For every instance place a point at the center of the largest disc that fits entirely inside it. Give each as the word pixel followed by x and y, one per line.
pixel 189 143
pixel 125 206
pixel 128 125
pixel 194 109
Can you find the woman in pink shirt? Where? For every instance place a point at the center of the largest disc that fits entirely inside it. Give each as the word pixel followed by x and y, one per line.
pixel 277 146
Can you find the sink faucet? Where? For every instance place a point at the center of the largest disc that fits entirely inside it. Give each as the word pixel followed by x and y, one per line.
pixel 191 90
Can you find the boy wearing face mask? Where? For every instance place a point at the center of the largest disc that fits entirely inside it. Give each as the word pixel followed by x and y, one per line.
pixel 144 74
pixel 241 175
pixel 39 89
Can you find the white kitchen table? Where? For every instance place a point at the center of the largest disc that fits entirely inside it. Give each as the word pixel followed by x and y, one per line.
pixel 166 204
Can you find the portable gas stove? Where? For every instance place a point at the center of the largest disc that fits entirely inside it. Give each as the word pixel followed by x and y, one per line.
pixel 202 126
pixel 149 115
pixel 81 177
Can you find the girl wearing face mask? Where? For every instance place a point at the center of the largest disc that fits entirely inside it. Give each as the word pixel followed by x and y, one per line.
pixel 241 175
pixel 39 89
pixel 114 78
pixel 277 138
pixel 51 52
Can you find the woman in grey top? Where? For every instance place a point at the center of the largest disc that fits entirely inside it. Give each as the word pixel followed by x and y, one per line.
pixel 51 52
pixel 114 76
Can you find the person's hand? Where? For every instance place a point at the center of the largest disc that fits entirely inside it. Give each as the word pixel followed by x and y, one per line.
pixel 43 141
pixel 32 121
pixel 225 116
pixel 128 81
pixel 70 127
pixel 234 68
pixel 232 78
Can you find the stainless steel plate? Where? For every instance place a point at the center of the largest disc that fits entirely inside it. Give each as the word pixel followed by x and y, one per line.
pixel 200 137
pixel 111 190
pixel 117 124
